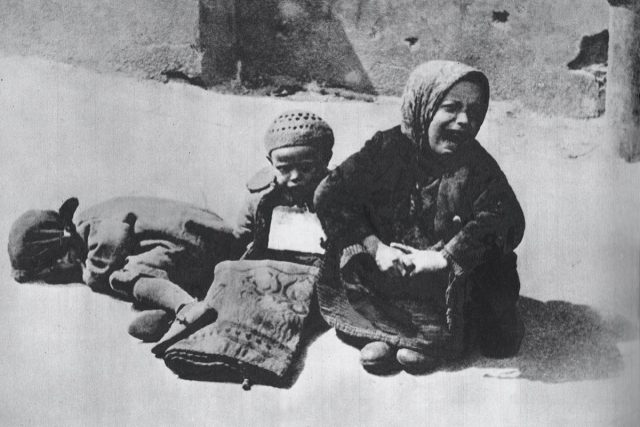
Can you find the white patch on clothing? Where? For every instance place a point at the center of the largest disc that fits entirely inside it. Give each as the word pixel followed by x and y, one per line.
pixel 295 229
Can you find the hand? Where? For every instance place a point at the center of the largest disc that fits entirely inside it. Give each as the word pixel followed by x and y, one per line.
pixel 391 261
pixel 423 261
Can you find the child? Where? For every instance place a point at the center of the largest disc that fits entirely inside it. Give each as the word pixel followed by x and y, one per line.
pixel 423 225
pixel 299 146
pixel 157 253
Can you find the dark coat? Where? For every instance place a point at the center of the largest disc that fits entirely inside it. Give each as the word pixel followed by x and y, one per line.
pixel 465 208
pixel 254 220
pixel 130 237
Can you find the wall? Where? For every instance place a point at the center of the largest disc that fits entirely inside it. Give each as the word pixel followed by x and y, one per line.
pixel 525 57
pixel 363 45
pixel 144 37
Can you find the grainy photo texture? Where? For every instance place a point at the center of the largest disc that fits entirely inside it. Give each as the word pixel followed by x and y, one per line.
pixel 320 212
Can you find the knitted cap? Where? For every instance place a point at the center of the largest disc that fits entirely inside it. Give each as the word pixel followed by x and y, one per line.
pixel 298 128
pixel 36 239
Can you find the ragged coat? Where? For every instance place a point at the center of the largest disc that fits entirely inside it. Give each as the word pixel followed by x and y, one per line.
pixel 467 209
pixel 400 191
pixel 254 219
pixel 132 237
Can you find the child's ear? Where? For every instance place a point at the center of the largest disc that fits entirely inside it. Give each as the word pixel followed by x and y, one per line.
pixel 67 210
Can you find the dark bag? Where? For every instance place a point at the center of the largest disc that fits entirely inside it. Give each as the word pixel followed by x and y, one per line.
pixel 264 310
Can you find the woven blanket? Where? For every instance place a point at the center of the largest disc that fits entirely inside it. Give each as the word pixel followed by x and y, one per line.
pixel 263 309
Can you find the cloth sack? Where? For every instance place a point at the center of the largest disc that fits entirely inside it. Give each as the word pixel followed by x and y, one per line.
pixel 263 311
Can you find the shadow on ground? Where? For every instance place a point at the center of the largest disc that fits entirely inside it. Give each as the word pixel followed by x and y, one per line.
pixel 563 342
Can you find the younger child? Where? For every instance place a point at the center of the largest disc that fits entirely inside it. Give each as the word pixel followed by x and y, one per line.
pixel 298 146
pixel 157 253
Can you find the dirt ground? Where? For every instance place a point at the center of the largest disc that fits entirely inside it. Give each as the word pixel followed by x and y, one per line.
pixel 66 358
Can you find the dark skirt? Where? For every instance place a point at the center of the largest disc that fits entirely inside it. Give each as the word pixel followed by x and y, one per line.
pixel 423 313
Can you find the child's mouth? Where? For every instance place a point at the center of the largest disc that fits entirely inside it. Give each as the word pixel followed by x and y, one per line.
pixel 454 138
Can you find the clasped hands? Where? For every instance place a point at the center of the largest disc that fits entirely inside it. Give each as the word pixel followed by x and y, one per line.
pixel 399 260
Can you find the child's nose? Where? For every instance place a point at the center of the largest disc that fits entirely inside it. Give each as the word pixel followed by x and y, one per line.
pixel 462 118
pixel 294 175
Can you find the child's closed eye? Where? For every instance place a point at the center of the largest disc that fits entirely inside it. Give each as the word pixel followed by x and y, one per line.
pixel 306 168
pixel 284 170
pixel 450 107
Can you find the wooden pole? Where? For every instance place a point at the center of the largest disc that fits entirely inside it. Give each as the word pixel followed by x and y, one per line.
pixel 623 78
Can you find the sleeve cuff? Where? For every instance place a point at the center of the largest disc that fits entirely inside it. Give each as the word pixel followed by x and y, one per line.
pixel 453 264
pixel 351 251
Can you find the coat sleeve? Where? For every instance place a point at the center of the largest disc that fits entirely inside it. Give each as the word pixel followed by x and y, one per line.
pixel 245 225
pixel 341 198
pixel 497 223
pixel 109 242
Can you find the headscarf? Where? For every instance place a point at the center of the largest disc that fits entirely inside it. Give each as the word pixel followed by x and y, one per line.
pixel 426 87
pixel 36 239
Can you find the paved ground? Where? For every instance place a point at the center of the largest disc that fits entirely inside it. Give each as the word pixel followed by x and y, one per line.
pixel 67 360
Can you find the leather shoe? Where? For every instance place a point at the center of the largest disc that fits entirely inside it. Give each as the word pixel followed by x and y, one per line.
pixel 151 325
pixel 415 362
pixel 377 358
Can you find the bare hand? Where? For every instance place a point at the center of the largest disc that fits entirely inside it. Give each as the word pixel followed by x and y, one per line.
pixel 423 261
pixel 391 261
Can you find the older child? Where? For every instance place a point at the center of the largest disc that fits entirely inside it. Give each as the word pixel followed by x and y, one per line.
pixel 423 224
pixel 155 252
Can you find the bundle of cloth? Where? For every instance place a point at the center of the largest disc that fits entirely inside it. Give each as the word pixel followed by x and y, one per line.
pixel 264 315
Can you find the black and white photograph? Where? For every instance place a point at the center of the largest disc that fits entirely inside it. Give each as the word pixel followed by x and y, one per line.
pixel 320 213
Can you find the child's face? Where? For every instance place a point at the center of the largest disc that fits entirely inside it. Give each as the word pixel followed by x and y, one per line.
pixel 300 169
pixel 458 118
